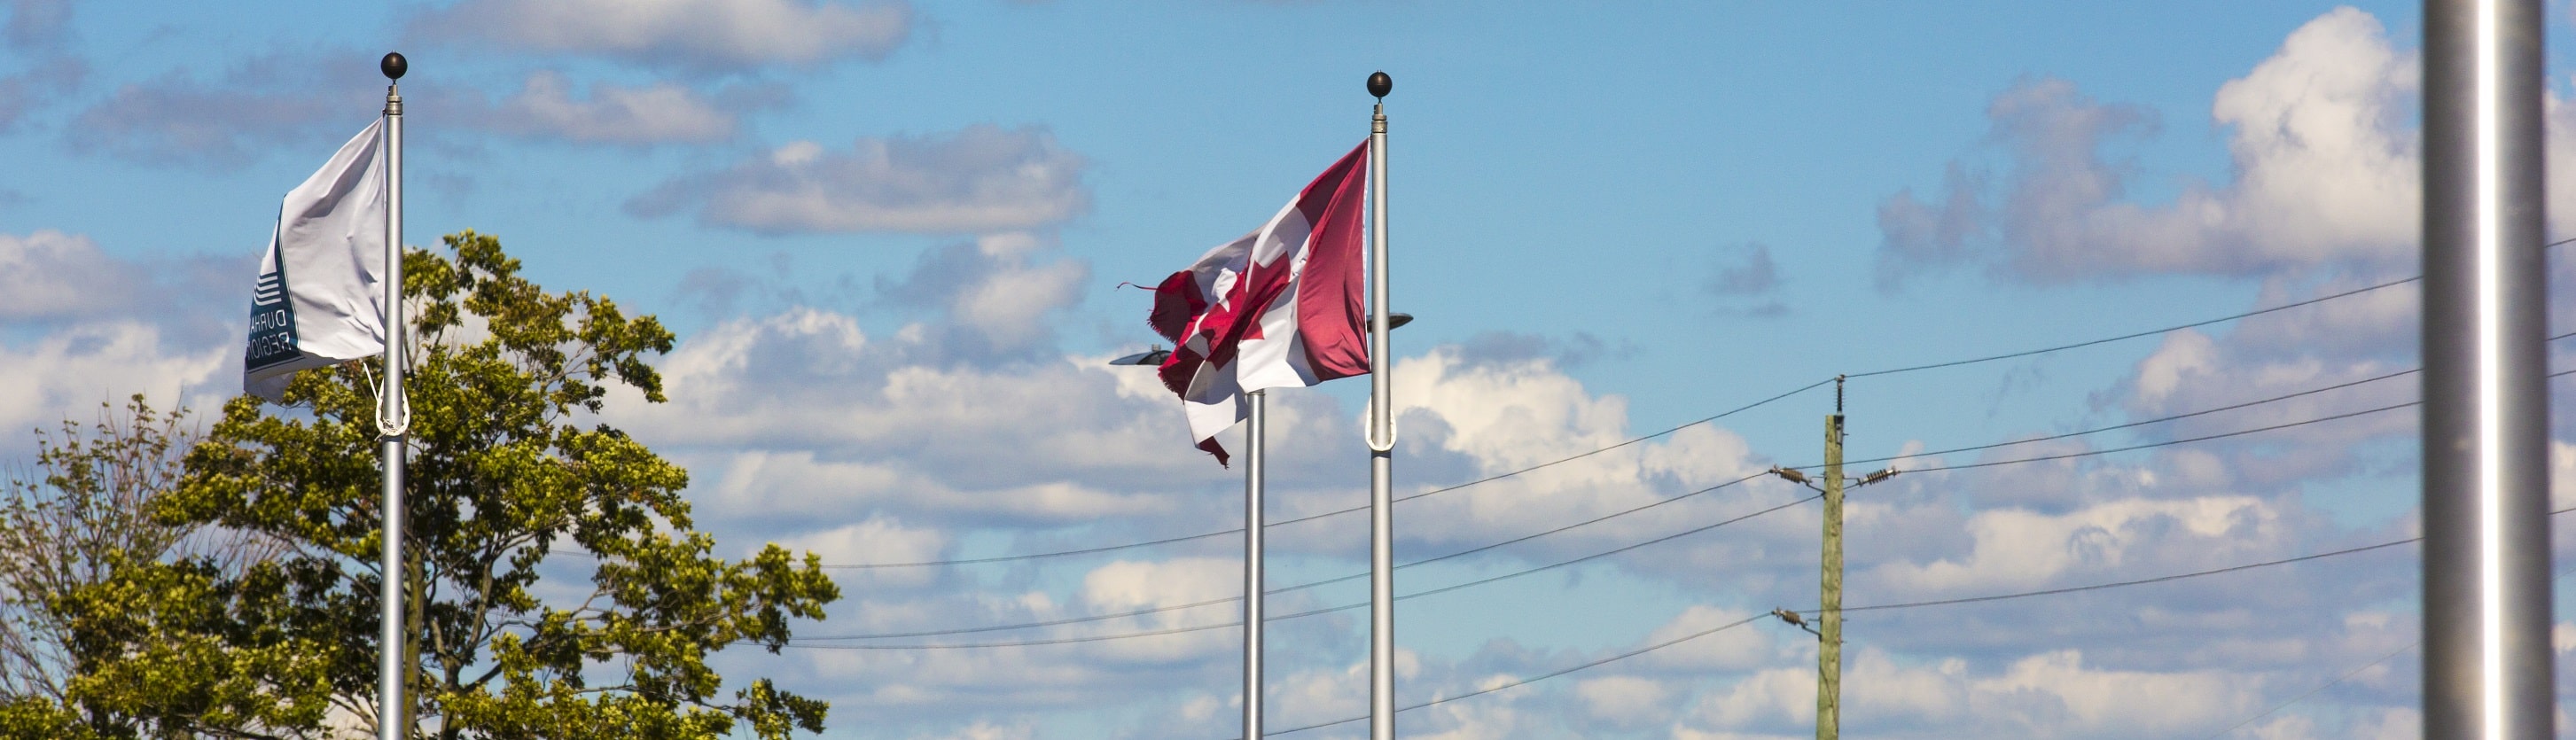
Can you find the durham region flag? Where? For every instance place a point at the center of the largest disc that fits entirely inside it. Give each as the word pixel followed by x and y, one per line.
pixel 1277 308
pixel 320 300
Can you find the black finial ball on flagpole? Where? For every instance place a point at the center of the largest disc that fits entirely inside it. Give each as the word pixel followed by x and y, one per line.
pixel 1380 85
pixel 394 66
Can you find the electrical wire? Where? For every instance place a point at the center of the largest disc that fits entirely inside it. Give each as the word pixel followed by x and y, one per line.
pixel 1999 597
pixel 2153 332
pixel 2203 438
pixel 1636 440
pixel 2347 675
pixel 1517 683
pixel 2118 584
pixel 2141 581
pixel 1530 571
pixel 1301 586
pixel 1327 610
pixel 2133 424
pixel 1339 512
pixel 2157 420
pixel 1606 517
pixel 2134 335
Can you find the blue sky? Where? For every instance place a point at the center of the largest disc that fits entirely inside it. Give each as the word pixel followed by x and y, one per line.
pixel 890 236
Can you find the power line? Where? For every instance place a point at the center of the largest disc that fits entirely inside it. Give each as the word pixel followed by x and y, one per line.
pixel 2120 584
pixel 2143 581
pixel 1339 512
pixel 1595 520
pixel 2203 438
pixel 1641 438
pixel 2347 675
pixel 2162 419
pixel 2135 335
pixel 2153 332
pixel 1515 574
pixel 1748 620
pixel 1542 677
pixel 1301 586
pixel 2116 427
pixel 2223 435
pixel 1313 612
pixel 1999 597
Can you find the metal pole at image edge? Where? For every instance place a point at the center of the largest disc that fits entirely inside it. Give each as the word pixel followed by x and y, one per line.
pixel 1381 438
pixel 1256 439
pixel 2486 623
pixel 392 417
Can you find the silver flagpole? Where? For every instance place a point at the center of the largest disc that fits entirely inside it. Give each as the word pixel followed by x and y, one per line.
pixel 2486 624
pixel 392 418
pixel 1381 438
pixel 1258 440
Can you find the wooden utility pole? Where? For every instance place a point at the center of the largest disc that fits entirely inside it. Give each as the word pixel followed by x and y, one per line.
pixel 1829 653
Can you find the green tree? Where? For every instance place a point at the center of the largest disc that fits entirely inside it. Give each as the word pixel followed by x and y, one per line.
pixel 86 501
pixel 511 471
pixel 85 504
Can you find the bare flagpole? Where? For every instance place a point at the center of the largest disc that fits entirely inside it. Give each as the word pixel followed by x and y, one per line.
pixel 393 419
pixel 2487 653
pixel 1381 439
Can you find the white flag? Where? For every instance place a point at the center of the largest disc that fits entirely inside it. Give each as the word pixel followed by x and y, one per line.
pixel 320 300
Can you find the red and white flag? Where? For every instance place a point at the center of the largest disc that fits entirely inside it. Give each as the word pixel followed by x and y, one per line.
pixel 1277 308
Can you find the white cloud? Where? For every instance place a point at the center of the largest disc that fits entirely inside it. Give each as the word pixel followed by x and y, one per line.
pixel 980 179
pixel 88 327
pixel 2056 694
pixel 546 106
pixel 2325 172
pixel 879 539
pixel 2017 549
pixel 1741 649
pixel 1622 700
pixel 695 35
pixel 982 730
pixel 66 373
pixel 51 274
pixel 1773 699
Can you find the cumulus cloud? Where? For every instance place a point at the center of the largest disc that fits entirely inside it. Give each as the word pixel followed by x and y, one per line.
pixel 51 279
pixel 50 274
pixel 980 179
pixel 84 326
pixel 547 107
pixel 999 288
pixel 66 372
pixel 2324 172
pixel 802 415
pixel 714 36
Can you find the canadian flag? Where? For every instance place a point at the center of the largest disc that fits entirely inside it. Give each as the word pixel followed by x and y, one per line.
pixel 1277 308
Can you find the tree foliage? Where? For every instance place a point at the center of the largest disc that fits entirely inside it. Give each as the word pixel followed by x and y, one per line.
pixel 514 487
pixel 87 502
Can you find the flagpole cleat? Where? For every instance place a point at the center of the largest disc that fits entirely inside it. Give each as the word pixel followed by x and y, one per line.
pixel 1379 85
pixel 394 65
